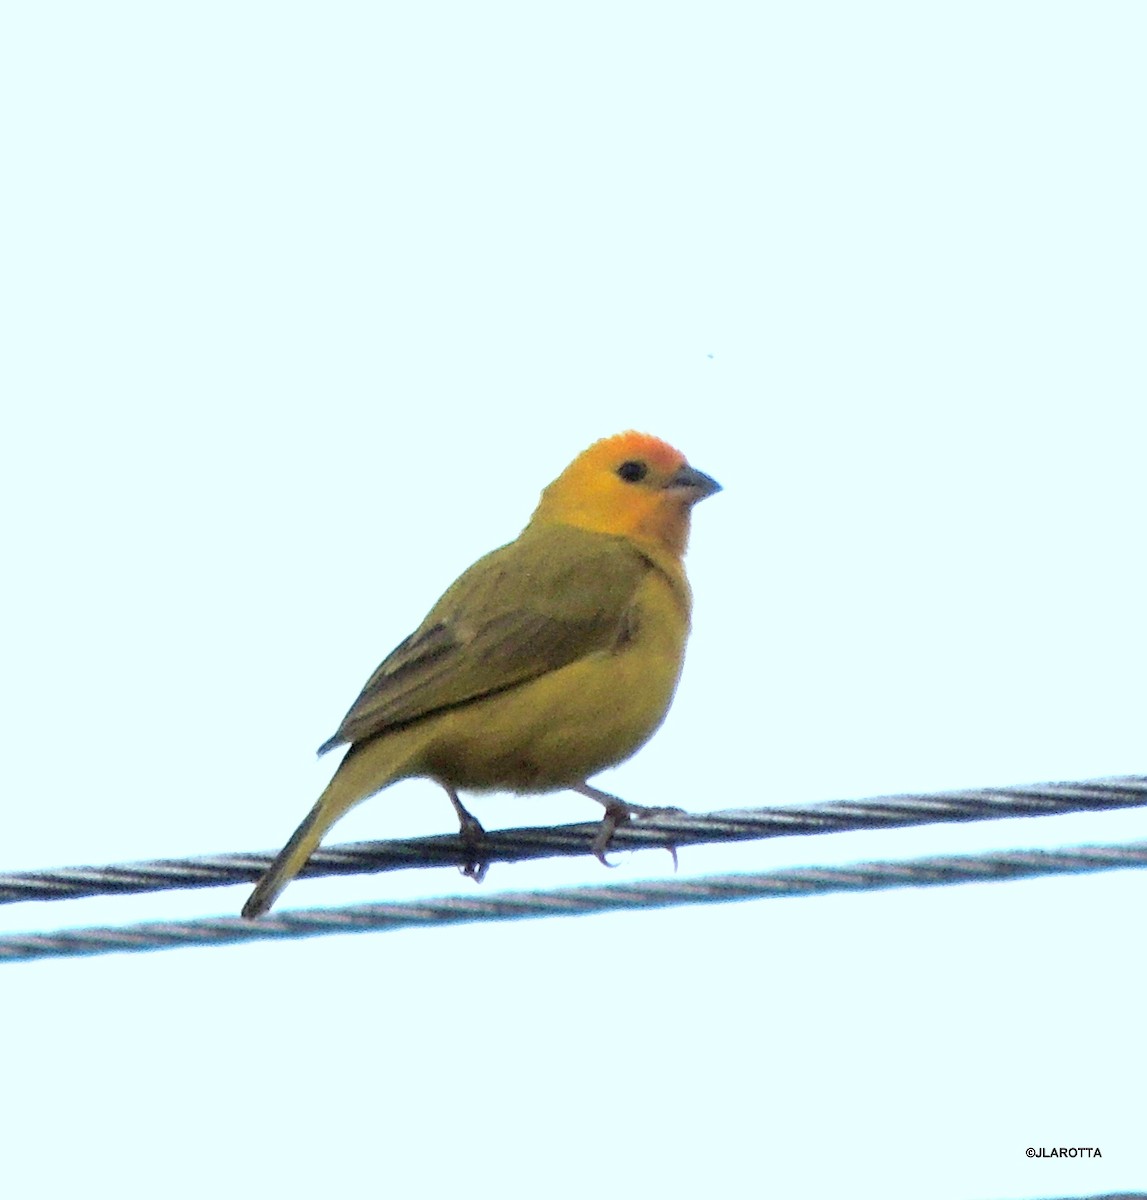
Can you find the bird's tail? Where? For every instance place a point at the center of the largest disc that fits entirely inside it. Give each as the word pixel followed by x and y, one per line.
pixel 367 768
pixel 291 859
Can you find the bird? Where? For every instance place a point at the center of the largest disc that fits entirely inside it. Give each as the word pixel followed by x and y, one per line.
pixel 548 660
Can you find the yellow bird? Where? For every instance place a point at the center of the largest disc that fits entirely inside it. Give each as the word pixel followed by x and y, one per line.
pixel 550 659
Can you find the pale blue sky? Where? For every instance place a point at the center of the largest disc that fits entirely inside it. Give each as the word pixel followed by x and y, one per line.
pixel 303 305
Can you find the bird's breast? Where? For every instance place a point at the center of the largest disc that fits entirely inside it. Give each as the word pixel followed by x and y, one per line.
pixel 561 727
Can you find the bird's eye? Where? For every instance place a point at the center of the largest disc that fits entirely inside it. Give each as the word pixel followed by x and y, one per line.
pixel 633 472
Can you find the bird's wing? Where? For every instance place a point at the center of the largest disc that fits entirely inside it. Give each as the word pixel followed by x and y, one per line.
pixel 549 598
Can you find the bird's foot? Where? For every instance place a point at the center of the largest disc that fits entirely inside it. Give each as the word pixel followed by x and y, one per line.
pixel 474 841
pixel 473 838
pixel 619 812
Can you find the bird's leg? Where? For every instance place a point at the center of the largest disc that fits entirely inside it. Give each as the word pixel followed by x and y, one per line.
pixel 618 812
pixel 473 835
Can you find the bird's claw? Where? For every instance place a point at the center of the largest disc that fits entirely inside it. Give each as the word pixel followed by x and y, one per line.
pixel 609 823
pixel 621 813
pixel 473 842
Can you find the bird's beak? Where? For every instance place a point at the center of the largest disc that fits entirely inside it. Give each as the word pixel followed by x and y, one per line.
pixel 695 483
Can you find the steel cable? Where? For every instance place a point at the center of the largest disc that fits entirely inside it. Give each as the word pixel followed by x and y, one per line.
pixel 669 829
pixel 578 901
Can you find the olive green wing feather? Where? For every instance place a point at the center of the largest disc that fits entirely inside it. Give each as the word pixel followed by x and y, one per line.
pixel 544 601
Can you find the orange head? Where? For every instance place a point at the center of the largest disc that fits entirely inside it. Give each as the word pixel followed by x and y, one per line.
pixel 631 484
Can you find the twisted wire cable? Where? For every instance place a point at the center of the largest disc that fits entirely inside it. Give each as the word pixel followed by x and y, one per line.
pixel 1104 1196
pixel 576 901
pixel 667 830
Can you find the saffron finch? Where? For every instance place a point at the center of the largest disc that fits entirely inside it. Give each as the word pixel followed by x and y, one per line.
pixel 550 659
